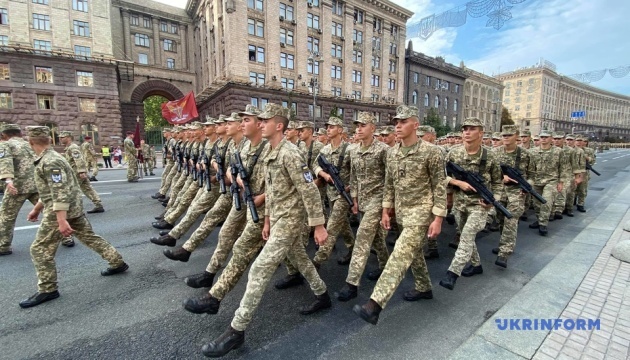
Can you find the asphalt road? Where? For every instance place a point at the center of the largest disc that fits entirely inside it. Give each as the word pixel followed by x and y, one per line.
pixel 138 315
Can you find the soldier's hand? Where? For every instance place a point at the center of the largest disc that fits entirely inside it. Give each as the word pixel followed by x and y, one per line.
pixel 33 216
pixel 259 200
pixel 239 182
pixel 559 187
pixel 320 235
pixel 578 180
pixel 265 230
pixel 11 189
pixel 507 180
pixel 465 186
pixel 324 175
pixel 385 219
pixel 484 205
pixel 83 175
pixel 355 207
pixel 319 182
pixel 65 229
pixel 435 228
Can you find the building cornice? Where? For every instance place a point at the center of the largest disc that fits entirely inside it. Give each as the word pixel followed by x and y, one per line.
pixel 434 63
pixel 389 7
pixel 130 6
pixel 580 86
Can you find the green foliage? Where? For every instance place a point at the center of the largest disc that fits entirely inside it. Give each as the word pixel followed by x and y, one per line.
pixel 334 111
pixel 433 119
pixel 153 112
pixel 506 117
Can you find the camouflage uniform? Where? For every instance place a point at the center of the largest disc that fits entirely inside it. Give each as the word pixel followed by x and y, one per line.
pixel 579 158
pixel 167 175
pixel 338 223
pixel 291 198
pixel 407 168
pixel 59 189
pixel 16 162
pixel 367 178
pixel 472 215
pixel 147 165
pixel 75 158
pixel 582 188
pixel 185 178
pixel 87 149
pixel 132 160
pixel 572 160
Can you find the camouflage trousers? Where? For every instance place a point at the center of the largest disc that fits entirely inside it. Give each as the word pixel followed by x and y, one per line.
pixel 167 177
pixel 473 220
pixel 338 225
pixel 582 190
pixel 561 197
pixel 9 210
pixel 47 241
pixel 88 190
pixel 182 184
pixel 514 201
pixel 407 252
pixel 148 166
pixel 132 167
pixel 549 192
pixel 305 234
pixel 243 253
pixel 92 165
pixel 284 241
pixel 183 201
pixel 202 203
pixel 218 213
pixel 229 233
pixel 571 193
pixel 368 235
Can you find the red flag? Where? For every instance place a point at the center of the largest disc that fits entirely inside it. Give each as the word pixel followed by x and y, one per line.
pixel 180 111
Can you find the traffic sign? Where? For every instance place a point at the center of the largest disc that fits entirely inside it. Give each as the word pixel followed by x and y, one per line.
pixel 578 114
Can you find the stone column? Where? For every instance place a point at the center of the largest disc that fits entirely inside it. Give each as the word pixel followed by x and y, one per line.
pixel 126 34
pixel 157 44
pixel 183 46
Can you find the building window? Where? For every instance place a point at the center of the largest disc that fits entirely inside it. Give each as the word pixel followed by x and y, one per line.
pixel 142 40
pixel 85 78
pixel 45 102
pixel 43 2
pixel 256 53
pixel 313 67
pixel 170 63
pixel 312 44
pixel 174 28
pixel 378 24
pixel 4 17
pixel 4 40
pixel 519 83
pixel 255 4
pixel 254 101
pixel 82 52
pixel 357 57
pixel 446 104
pixel 41 22
pixel 44 74
pixel 146 22
pixel 455 104
pixel 6 101
pixel 286 36
pixel 87 105
pixel 416 77
pixel 143 59
pixel 376 80
pixel 456 89
pixel 135 20
pixel 414 97
pixel 318 111
pixel 356 95
pixel 286 61
pixel 54 132
pixel 336 91
pixel 286 11
pixel 392 66
pixel 358 16
pixel 518 99
pixel 312 21
pixel 256 78
pixel 376 62
pixel 426 100
pixel 4 72
pixel 170 45
pixel 90 130
pixel 393 48
pixel 80 5
pixel 163 26
pixel 436 102
pixel 356 76
pixel 337 7
pixel 374 97
pixel 255 27
pixel 335 72
pixel 336 51
pixel 42 45
pixel 81 28
pixel 392 84
pixel 357 36
pixel 288 83
pixel 337 29
pixel 506 93
pixel 517 108
pixel 293 107
pixel 376 43
pixel 518 92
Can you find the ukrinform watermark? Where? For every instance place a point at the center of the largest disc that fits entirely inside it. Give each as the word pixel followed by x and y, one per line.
pixel 547 324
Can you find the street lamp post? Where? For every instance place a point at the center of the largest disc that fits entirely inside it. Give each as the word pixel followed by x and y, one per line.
pixel 496 102
pixel 314 83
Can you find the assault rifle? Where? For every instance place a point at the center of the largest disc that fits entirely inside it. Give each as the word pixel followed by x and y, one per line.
pixel 193 169
pixel 248 195
pixel 589 167
pixel 234 189
pixel 332 170
pixel 517 175
pixel 205 175
pixel 186 157
pixel 180 158
pixel 220 173
pixel 476 181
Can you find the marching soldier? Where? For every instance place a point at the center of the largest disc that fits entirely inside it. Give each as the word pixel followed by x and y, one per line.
pixel 589 155
pixel 579 158
pixel 148 164
pixel 573 177
pixel 89 154
pixel 132 157
pixel 322 136
pixel 168 163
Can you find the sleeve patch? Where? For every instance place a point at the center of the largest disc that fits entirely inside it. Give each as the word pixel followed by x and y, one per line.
pixel 56 175
pixel 308 176
pixel 2 154
pixel 76 154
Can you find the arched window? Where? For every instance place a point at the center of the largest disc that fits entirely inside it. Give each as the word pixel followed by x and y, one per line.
pixel 54 132
pixel 426 100
pixel 446 103
pixel 455 105
pixel 90 130
pixel 436 102
pixel 414 97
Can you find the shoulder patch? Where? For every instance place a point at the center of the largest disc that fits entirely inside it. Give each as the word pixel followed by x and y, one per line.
pixel 76 154
pixel 1 153
pixel 56 175
pixel 308 177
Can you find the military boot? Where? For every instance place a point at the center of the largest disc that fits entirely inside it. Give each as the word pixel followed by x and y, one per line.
pixel 432 254
pixel 97 209
pixel 117 270
pixel 230 340
pixel 68 242
pixel 205 304
pixel 345 260
pixel 197 281
pixel 450 219
pixel 164 232
pixel 6 252
pixel 501 261
pixel 347 293
pixel 569 212
pixel 152 174
pixel 321 302
pixel 449 281
pixel 455 243
pixel 495 251
pixel 471 270
pixel 523 217
pixel 158 196
pixel 39 298
pixel 415 295
pixel 534 225
pixel 179 254
pixel 581 208
pixel 375 274
pixel 164 240
pixel 558 215
pixel 162 225
pixel 368 312
pixel 542 230
pixel 289 281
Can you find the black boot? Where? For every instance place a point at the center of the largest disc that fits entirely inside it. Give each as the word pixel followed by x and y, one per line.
pixel 152 174
pixel 161 216
pixel 97 209
pixel 552 217
pixel 542 230
pixel 558 215
pixel 493 226
pixel 93 178
pixel 495 251
pixel 289 281
pixel 449 281
pixel 164 232
pixel 368 312
pixel 523 217
pixel 39 298
pixel 534 225
pixel 455 243
pixel 158 196
pixel 432 254
pixel 345 260
pixel 569 212
pixel 415 295
pixel 501 261
pixel 203 280
pixel 205 304
pixel 179 254
pixel 165 240
pixel 321 302
pixel 162 225
pixel 471 270
pixel 228 341
pixel 581 208
pixel 375 274
pixel 450 219
pixel 117 270
pixel 348 292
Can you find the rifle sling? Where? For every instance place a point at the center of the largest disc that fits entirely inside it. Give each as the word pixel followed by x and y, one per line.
pixel 254 159
pixel 484 161
pixel 310 155
pixel 342 155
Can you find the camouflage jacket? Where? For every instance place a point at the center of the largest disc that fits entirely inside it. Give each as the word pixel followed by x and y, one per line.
pixel 580 160
pixel 290 192
pixel 589 155
pixel 146 151
pixel 333 156
pixel 415 184
pixel 87 148
pixel 367 173
pixel 57 185
pixel 526 165
pixel 75 158
pixel 16 162
pixel 311 152
pixel 130 148
pixel 551 166
pixel 492 175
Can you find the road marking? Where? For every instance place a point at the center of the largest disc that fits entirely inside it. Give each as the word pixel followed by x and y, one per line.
pixel 111 181
pixel 26 227
pixel 604 160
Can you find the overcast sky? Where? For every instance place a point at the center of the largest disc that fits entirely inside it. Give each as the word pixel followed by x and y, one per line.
pixel 578 36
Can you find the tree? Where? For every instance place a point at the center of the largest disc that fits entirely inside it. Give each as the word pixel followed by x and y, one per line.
pixel 433 120
pixel 506 117
pixel 334 111
pixel 153 112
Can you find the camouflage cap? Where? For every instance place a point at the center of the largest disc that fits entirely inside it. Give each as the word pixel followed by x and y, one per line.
pixel 176 129
pixel 544 133
pixel 457 134
pixel 250 110
pixel 195 125
pixel 486 136
pixel 449 135
pixel 234 118
pixel 166 130
pixel 334 121
pixel 292 125
pixel 509 130
pixel 63 134
pixel 496 136
pixel 472 121
pixel 580 138
pixel 209 121
pixel 38 131
pixel 558 135
pixel 419 132
pixel 272 110
pixel 305 125
pixel 7 127
pixel 365 118
pixel 405 112
pixel 536 137
pixel 321 131
pixel 570 137
pixel 526 133
pixel 389 129
pixel 427 129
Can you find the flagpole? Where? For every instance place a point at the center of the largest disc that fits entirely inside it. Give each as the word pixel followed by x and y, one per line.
pixel 138 149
